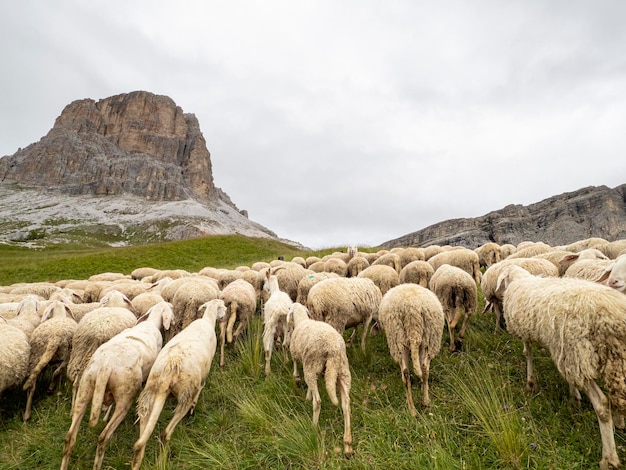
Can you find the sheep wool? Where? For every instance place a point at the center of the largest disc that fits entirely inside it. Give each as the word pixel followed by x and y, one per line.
pixel 583 326
pixel 321 350
pixel 412 318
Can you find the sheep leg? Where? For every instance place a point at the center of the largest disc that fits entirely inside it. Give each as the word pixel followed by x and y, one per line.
pixel 29 400
pixel 57 376
pixel 310 377
pixel 179 413
pixel 464 326
pixel 231 322
pixel 498 311
pixel 146 426
pixel 121 410
pixel 296 372
pixel 345 407
pixel 450 331
pixel 222 341
pixel 574 394
pixel 406 379
pixel 618 419
pixel 425 365
pixel 78 412
pixel 268 342
pixel 366 326
pixel 605 421
pixel 531 381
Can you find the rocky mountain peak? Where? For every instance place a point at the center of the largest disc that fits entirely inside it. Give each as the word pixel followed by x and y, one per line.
pixel 136 143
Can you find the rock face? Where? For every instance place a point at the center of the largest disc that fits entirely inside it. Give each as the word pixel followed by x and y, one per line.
pixel 136 143
pixel 589 212
pixel 132 168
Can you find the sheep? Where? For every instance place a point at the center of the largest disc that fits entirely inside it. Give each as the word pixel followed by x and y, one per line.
pixel 115 374
pixel 312 259
pixel 226 276
pixel 305 284
pixel 529 250
pixel 274 315
pixel 321 349
pixel 299 260
pixel 413 319
pixel 50 342
pixel 432 250
pixel 337 266
pixel 615 274
pixel 240 298
pixel 356 265
pixel 506 250
pixel 144 302
pixel 317 267
pixel 27 316
pixel 42 289
pixel 589 269
pixel 389 259
pixel 409 254
pixel 14 356
pixel 345 302
pixel 187 299
pixel 583 326
pixel 463 258
pixel 488 253
pixel 493 300
pixel 95 328
pixel 384 276
pixel 288 275
pixel 614 248
pixel 417 272
pixel 141 273
pixel 180 369
pixel 593 242
pixel 458 294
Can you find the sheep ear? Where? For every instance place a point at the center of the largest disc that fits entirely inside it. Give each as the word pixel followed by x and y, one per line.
pixel 69 312
pixel 46 313
pixel 502 281
pixel 569 258
pixel 607 272
pixel 168 315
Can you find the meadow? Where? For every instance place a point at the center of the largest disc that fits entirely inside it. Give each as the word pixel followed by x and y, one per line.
pixel 481 416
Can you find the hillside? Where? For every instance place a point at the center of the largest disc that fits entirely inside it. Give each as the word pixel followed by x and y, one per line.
pixel 594 211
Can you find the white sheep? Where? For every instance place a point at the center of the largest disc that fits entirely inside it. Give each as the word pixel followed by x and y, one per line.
pixel 95 328
pixel 458 294
pixel 27 316
pixel 115 374
pixel 345 303
pixel 188 297
pixel 413 320
pixel 389 259
pixel 583 326
pixel 356 265
pixel 240 299
pixel 589 269
pixel 409 254
pixel 275 311
pixel 50 342
pixel 460 257
pixel 308 281
pixel 384 276
pixel 488 253
pixel 14 356
pixel 493 299
pixel 180 369
pixel 417 272
pixel 321 350
pixel 615 274
pixel 337 266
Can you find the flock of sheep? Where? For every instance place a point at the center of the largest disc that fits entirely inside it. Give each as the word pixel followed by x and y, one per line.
pixel 137 339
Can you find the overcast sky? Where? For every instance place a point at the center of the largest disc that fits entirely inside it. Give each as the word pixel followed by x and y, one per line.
pixel 346 122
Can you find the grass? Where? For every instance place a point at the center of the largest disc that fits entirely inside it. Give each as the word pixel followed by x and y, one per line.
pixel 481 415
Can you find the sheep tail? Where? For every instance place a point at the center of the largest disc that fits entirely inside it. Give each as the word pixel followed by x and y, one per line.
pixel 333 367
pixel 158 385
pixel 100 387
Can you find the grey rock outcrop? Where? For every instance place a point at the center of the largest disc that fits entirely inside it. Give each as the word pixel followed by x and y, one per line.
pixel 594 211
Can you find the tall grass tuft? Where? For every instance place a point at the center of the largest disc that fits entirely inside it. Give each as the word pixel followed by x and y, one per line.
pixel 489 400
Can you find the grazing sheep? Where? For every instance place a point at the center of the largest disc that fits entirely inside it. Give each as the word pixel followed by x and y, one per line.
pixel 288 275
pixel 115 374
pixel 14 356
pixel 593 242
pixel 384 276
pixel 432 250
pixel 583 326
pixel 95 328
pixel 312 259
pixel 180 369
pixel 41 289
pixel 240 299
pixel 321 350
pixel 493 299
pixel 50 342
pixel 463 258
pixel 615 274
pixel 305 284
pixel 589 269
pixel 389 259
pixel 507 249
pixel 141 273
pixel 337 266
pixel 614 248
pixel 317 267
pixel 417 272
pixel 409 254
pixel 356 265
pixel 189 296
pixel 274 315
pixel 27 316
pixel 144 302
pixel 412 318
pixel 226 276
pixel 530 249
pixel 345 302
pixel 488 254
pixel 458 294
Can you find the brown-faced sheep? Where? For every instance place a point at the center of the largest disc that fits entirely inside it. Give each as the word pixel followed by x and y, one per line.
pixel 412 318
